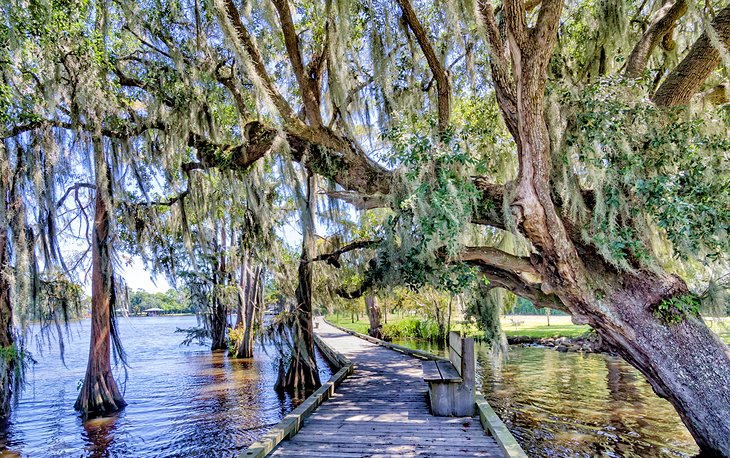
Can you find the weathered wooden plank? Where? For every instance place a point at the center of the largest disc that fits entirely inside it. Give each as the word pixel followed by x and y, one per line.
pixel 367 450
pixel 448 372
pixel 455 342
pixel 492 423
pixel 455 360
pixel 390 440
pixel 431 371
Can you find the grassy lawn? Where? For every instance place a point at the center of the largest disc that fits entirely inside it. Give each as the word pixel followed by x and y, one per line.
pixel 361 325
pixel 536 326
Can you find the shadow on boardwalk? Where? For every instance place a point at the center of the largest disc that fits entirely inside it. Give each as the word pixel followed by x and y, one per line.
pixel 382 410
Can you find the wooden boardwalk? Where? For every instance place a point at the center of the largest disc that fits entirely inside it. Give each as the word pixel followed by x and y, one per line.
pixel 381 410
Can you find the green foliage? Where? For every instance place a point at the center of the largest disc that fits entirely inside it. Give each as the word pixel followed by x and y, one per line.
pixel 235 337
pixel 676 309
pixel 172 301
pixel 525 307
pixel 19 359
pixel 652 174
pixel 433 206
pixel 412 327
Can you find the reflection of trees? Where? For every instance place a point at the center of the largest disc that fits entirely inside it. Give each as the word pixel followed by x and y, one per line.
pixel 99 434
pixel 235 399
pixel 623 383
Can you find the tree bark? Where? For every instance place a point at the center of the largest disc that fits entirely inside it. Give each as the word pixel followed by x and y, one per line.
pixel 303 373
pixel 373 309
pixel 219 322
pixel 685 363
pixel 662 23
pixel 703 58
pixel 99 393
pixel 248 300
pixel 7 341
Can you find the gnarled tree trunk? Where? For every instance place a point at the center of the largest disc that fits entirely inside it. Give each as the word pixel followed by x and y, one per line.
pixel 685 362
pixel 373 309
pixel 99 393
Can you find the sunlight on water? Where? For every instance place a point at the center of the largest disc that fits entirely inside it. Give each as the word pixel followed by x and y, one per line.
pixel 183 401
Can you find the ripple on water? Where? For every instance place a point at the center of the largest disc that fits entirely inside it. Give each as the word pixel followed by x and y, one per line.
pixel 574 405
pixel 182 401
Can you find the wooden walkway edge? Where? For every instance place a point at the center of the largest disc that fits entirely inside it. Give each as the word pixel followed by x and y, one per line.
pixel 381 410
pixel 291 423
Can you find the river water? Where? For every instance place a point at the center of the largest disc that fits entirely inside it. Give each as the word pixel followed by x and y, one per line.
pixel 183 400
pixel 577 405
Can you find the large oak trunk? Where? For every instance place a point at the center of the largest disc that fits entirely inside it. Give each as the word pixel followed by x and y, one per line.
pixel 684 362
pixel 99 393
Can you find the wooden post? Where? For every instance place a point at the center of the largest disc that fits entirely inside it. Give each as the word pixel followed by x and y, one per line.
pixel 464 393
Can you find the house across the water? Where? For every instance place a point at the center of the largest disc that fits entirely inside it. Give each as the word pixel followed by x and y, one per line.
pixel 154 311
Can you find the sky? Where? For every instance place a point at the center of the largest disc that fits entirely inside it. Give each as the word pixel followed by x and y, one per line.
pixel 137 277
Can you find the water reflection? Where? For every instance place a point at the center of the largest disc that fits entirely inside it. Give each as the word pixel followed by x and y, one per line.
pixel 570 405
pixel 575 405
pixel 183 401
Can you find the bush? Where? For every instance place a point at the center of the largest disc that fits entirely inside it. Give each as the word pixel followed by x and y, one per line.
pixel 413 328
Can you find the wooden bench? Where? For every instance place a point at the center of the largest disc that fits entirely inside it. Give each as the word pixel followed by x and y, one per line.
pixel 451 384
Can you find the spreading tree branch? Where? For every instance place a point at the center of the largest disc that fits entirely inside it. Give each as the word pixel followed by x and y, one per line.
pixel 703 58
pixel 249 46
pixel 306 85
pixel 663 23
pixel 333 258
pixel 503 83
pixel 442 79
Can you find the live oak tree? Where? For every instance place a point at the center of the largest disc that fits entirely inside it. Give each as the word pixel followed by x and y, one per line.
pixel 590 134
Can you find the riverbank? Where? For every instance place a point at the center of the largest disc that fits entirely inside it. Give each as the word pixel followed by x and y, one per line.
pixel 553 331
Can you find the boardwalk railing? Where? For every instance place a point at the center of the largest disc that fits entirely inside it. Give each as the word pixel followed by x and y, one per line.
pixel 291 423
pixel 487 417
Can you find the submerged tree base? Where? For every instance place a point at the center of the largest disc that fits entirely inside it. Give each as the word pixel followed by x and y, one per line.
pixel 300 377
pixel 99 396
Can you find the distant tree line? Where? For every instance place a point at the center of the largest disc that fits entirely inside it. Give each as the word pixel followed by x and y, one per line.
pixel 525 307
pixel 172 301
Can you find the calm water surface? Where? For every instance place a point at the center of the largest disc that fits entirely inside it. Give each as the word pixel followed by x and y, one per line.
pixel 575 405
pixel 183 401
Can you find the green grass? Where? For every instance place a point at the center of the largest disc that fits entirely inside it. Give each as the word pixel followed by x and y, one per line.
pixel 528 326
pixel 539 332
pixel 535 326
pixel 362 325
pixel 396 327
